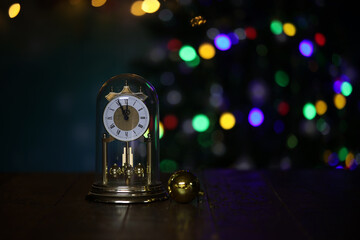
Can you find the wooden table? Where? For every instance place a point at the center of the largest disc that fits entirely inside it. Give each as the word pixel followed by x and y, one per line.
pixel 302 204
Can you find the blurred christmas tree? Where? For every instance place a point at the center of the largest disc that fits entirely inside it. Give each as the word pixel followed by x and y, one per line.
pixel 252 84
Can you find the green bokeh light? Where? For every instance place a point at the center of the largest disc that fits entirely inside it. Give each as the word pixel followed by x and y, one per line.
pixel 194 62
pixel 261 50
pixel 276 27
pixel 292 141
pixel 343 152
pixel 309 111
pixel 200 123
pixel 321 125
pixel 168 166
pixel 346 89
pixel 187 53
pixel 281 78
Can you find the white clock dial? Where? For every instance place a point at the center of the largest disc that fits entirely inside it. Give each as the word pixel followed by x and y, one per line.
pixel 126 118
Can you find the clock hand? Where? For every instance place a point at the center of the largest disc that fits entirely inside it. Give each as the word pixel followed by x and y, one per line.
pixel 123 111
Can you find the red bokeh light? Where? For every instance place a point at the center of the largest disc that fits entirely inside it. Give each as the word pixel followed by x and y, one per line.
pixel 283 108
pixel 250 33
pixel 320 39
pixel 174 44
pixel 170 122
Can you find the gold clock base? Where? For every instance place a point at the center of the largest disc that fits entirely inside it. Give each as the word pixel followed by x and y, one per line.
pixel 124 194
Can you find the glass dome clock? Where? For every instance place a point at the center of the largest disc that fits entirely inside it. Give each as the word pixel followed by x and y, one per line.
pixel 127 142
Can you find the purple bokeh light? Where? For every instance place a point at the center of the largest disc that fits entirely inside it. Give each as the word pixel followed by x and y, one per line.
pixel 222 42
pixel 256 117
pixel 306 48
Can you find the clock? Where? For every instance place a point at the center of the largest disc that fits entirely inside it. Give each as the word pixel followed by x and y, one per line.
pixel 126 118
pixel 127 142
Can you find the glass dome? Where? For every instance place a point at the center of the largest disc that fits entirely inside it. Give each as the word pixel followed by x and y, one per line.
pixel 127 142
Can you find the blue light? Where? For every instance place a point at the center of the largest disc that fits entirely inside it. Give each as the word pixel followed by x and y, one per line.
pixel 279 126
pixel 222 42
pixel 256 117
pixel 306 48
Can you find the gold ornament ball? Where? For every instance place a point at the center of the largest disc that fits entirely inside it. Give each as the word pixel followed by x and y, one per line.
pixel 183 186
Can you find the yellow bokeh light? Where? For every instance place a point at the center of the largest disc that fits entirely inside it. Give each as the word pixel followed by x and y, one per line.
pixel 161 130
pixel 227 120
pixel 289 29
pixel 349 161
pixel 206 51
pixel 98 3
pixel 14 10
pixel 321 107
pixel 136 8
pixel 150 6
pixel 339 101
pixel 326 155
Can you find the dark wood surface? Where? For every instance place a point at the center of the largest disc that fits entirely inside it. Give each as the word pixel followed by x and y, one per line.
pixel 303 204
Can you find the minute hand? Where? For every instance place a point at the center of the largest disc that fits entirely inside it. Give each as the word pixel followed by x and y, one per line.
pixel 123 111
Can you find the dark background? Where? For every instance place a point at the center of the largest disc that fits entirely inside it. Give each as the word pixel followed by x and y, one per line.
pixel 55 56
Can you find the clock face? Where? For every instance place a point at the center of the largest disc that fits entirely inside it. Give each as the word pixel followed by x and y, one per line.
pixel 126 118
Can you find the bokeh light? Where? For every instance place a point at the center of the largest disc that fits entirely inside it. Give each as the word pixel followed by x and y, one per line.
pixel 150 6
pixel 206 51
pixel 320 39
pixel 212 33
pixel 321 107
pixel 289 29
pixel 350 160
pixel 339 101
pixel 346 88
pixel 337 86
pixel 292 141
pixel 250 33
pixel 136 9
pixel 283 108
pixel 174 97
pixel 256 117
pixel 200 122
pixel 165 15
pixel 98 3
pixel 174 44
pixel 14 10
pixel 333 159
pixel 276 27
pixel 170 122
pixel 240 33
pixel 227 120
pixel 161 130
pixel 306 48
pixel 222 42
pixel 187 53
pixel 168 166
pixel 279 126
pixel 309 111
pixel 343 152
pixel 281 78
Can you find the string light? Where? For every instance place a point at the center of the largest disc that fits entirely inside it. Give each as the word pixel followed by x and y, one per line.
pixel 168 166
pixel 14 10
pixel 292 141
pixel 227 120
pixel 170 122
pixel 343 152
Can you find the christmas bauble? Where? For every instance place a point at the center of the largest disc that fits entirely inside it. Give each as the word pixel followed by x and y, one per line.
pixel 183 186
